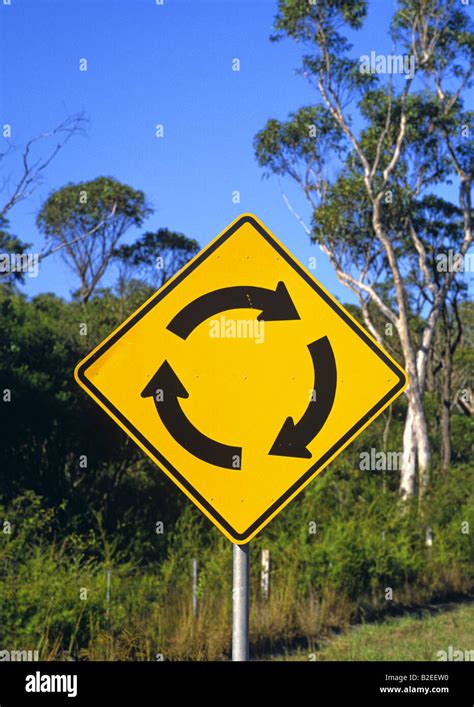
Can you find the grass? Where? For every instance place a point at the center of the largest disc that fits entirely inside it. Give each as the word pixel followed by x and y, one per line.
pixel 408 638
pixel 54 590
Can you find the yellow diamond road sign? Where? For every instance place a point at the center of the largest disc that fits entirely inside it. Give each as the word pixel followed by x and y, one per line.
pixel 242 378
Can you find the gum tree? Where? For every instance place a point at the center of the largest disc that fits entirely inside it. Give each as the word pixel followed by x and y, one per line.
pixel 85 222
pixel 156 256
pixel 367 157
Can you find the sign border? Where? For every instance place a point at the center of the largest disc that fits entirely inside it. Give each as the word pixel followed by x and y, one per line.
pixel 155 454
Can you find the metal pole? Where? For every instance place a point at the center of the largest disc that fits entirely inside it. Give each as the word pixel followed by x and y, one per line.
pixel 240 603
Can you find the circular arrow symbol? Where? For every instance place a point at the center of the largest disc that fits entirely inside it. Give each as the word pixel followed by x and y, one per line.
pixel 293 438
pixel 275 305
pixel 166 382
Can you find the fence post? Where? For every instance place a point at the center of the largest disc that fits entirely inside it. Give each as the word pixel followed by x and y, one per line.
pixel 195 580
pixel 107 595
pixel 265 576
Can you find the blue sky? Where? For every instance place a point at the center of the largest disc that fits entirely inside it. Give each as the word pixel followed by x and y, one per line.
pixel 169 64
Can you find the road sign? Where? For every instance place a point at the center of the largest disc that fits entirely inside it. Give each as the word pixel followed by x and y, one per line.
pixel 242 378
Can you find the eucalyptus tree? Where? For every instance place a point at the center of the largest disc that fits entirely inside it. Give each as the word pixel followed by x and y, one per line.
pixel 86 221
pixel 369 156
pixel 155 256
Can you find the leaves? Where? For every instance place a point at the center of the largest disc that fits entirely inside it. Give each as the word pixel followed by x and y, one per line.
pixel 156 256
pixel 85 222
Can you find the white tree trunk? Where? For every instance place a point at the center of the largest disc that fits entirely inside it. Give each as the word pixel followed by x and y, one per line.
pixel 416 449
pixel 422 446
pixel 408 472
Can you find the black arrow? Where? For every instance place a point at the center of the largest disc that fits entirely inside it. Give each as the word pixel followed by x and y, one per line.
pixel 293 437
pixel 166 382
pixel 275 305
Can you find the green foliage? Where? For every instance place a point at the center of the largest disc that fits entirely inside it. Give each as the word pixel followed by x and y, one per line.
pixel 306 137
pixel 56 441
pixel 54 584
pixel 10 244
pixel 85 222
pixel 155 257
pixel 78 208
pixel 299 19
pixel 343 166
pixel 71 524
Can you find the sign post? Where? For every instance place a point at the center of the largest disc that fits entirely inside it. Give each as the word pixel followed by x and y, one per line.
pixel 240 602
